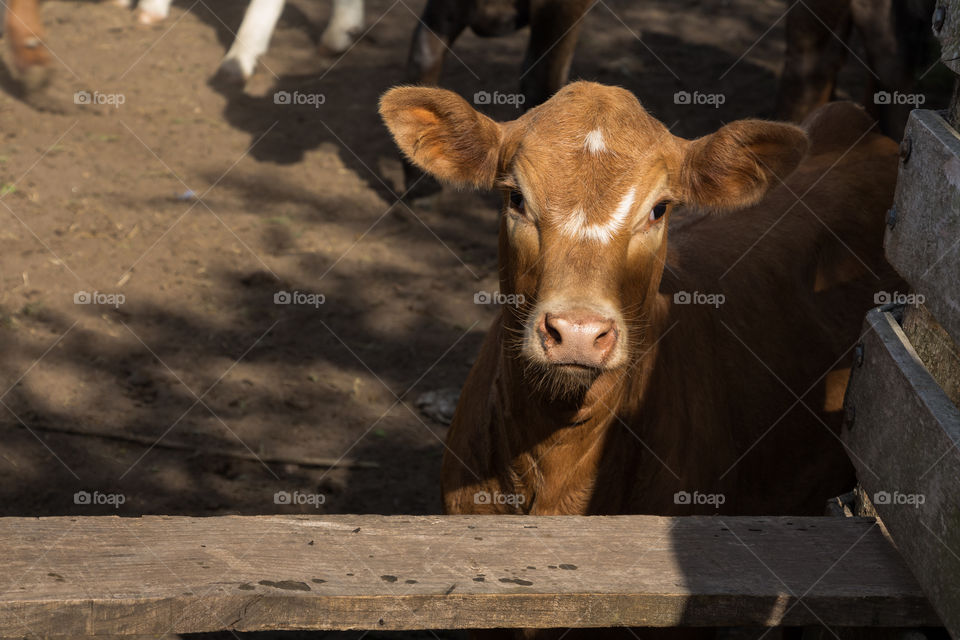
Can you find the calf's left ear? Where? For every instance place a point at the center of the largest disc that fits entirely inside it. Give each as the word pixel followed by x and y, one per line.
pixel 736 166
pixel 443 135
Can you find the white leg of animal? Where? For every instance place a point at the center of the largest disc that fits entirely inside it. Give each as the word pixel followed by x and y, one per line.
pixel 346 21
pixel 152 11
pixel 253 38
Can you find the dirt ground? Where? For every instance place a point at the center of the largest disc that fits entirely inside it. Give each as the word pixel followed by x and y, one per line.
pixel 198 206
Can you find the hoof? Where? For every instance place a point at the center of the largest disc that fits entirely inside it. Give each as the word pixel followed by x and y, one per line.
pixel 35 79
pixel 335 44
pixel 336 40
pixel 229 78
pixel 231 72
pixel 149 18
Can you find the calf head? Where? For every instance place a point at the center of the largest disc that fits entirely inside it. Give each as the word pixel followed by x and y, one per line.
pixel 588 180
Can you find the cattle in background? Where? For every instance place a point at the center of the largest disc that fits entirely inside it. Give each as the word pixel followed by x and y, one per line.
pixel 23 30
pixel 636 375
pixel 894 33
pixel 554 29
pixel 259 22
pixel 895 36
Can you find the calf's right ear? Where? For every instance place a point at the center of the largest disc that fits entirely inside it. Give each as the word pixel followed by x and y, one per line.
pixel 443 135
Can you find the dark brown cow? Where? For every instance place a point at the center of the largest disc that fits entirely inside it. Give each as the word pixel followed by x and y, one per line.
pixel 554 29
pixel 637 375
pixel 895 36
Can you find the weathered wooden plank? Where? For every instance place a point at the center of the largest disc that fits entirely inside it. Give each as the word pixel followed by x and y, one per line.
pixel 938 352
pixel 923 244
pixel 107 575
pixel 903 433
pixel 946 26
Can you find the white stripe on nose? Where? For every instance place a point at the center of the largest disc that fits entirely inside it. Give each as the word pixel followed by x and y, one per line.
pixel 576 226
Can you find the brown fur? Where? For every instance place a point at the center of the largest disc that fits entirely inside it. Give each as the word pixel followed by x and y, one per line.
pixel 458 143
pixel 24 32
pixel 700 398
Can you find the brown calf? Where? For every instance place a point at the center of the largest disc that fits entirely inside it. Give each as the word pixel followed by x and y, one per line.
pixel 647 376
pixel 24 33
pixel 612 388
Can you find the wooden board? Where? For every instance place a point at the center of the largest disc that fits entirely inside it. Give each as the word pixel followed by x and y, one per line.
pixel 904 439
pixel 158 575
pixel 940 355
pixel 946 27
pixel 924 243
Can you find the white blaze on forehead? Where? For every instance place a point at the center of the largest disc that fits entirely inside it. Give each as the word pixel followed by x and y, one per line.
pixel 576 225
pixel 594 143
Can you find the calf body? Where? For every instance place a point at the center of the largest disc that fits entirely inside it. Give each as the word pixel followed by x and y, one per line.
pixel 713 368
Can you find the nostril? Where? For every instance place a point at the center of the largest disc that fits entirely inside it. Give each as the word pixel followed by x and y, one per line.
pixel 554 334
pixel 549 329
pixel 606 339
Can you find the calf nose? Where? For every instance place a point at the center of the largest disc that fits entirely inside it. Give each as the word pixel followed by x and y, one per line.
pixel 577 337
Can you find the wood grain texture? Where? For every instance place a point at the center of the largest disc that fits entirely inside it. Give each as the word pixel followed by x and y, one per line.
pixel 924 243
pixel 904 441
pixel 948 33
pixel 939 354
pixel 157 575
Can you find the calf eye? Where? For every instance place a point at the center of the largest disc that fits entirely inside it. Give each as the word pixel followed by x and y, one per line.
pixel 516 200
pixel 659 210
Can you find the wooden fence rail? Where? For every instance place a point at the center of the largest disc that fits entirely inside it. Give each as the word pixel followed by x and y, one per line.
pixel 157 575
